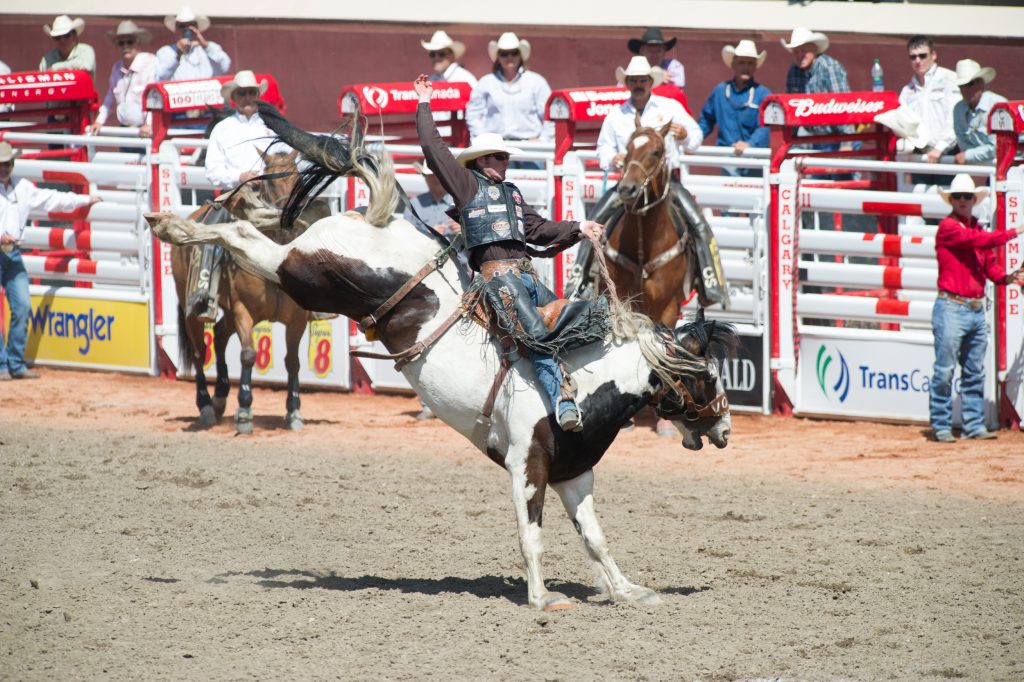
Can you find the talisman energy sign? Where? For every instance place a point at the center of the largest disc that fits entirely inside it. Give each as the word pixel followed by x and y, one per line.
pixel 90 332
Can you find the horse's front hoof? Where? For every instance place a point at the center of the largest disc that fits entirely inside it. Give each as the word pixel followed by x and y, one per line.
pixel 666 430
pixel 556 601
pixel 644 595
pixel 243 420
pixel 207 416
pixel 293 421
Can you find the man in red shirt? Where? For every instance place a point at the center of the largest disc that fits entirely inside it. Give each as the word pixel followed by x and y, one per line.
pixel 967 256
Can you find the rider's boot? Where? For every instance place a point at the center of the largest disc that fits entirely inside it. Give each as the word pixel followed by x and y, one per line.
pixel 712 287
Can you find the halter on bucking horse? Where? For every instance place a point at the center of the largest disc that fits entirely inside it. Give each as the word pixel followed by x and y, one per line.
pixel 354 265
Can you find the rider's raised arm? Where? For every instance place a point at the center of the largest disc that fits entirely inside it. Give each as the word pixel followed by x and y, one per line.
pixel 457 180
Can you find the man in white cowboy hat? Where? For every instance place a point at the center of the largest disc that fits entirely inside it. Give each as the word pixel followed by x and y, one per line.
pixel 966 256
pixel 510 100
pixel 931 94
pixel 813 71
pixel 655 111
pixel 237 143
pixel 17 200
pixel 192 56
pixel 497 223
pixel 128 79
pixel 734 105
pixel 653 47
pixel 970 115
pixel 444 54
pixel 68 54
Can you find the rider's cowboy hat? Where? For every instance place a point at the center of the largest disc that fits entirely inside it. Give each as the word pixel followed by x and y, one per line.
pixel 963 184
pixel 802 35
pixel 905 123
pixel 651 35
pixel 484 144
pixel 7 152
pixel 129 28
pixel 508 41
pixel 242 79
pixel 744 48
pixel 967 70
pixel 64 25
pixel 186 16
pixel 442 41
pixel 639 66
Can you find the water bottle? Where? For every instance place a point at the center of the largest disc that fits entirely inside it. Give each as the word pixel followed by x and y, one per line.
pixel 876 77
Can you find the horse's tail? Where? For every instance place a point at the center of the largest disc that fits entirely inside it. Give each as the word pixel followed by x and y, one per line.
pixel 186 351
pixel 378 172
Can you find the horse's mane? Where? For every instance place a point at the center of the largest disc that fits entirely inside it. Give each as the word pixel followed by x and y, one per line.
pixel 328 157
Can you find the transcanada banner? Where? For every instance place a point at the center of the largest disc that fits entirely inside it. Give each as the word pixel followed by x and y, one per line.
pixel 401 98
pixel 833 108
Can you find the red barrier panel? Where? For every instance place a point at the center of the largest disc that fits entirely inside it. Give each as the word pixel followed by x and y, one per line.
pixel 45 101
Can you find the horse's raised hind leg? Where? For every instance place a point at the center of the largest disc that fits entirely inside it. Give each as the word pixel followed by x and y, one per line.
pixel 293 336
pixel 528 486
pixel 578 499
pixel 222 332
pixel 243 327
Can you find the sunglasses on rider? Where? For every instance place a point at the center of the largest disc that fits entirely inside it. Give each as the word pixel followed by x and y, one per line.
pixel 915 56
pixel 508 53
pixel 498 156
pixel 962 196
pixel 438 53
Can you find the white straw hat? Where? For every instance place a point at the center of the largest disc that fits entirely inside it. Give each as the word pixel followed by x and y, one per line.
pixel 905 123
pixel 639 66
pixel 186 16
pixel 7 152
pixel 968 69
pixel 508 41
pixel 242 79
pixel 802 35
pixel 484 144
pixel 129 28
pixel 962 184
pixel 744 48
pixel 442 41
pixel 64 25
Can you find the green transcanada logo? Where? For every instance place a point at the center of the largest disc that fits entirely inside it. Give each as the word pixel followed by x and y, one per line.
pixel 826 370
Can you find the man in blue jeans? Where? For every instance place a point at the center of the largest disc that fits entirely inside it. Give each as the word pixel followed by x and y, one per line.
pixel 17 199
pixel 966 255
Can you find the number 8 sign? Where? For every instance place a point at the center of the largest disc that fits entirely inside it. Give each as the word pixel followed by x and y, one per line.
pixel 263 339
pixel 320 348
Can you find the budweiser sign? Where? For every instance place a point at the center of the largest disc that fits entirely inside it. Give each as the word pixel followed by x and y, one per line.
pixel 833 108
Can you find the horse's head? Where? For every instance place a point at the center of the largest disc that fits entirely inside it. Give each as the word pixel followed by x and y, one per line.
pixel 645 169
pixel 284 171
pixel 698 405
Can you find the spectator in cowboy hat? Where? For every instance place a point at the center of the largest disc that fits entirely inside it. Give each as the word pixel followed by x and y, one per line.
pixel 237 143
pixel 68 54
pixel 966 257
pixel 734 105
pixel 931 93
pixel 970 115
pixel 815 72
pixel 192 56
pixel 653 46
pixel 17 200
pixel 510 100
pixel 128 79
pixel 445 54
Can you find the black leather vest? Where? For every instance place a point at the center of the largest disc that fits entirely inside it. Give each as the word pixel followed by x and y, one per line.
pixel 494 214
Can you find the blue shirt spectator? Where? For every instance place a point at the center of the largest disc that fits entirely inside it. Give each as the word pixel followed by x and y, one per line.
pixel 734 105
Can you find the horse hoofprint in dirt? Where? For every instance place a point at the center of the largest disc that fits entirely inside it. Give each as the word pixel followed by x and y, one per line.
pixel 350 265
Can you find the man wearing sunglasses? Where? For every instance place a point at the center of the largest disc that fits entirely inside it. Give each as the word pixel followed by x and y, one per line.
pixel 444 54
pixel 128 79
pixel 931 94
pixel 966 256
pixel 68 54
pixel 496 226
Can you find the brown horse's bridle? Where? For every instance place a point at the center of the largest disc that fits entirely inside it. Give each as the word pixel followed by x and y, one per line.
pixel 660 170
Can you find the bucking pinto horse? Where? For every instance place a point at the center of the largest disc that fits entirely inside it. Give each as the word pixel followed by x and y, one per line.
pixel 385 272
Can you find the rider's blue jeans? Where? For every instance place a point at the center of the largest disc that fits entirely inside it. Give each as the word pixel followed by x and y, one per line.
pixel 548 372
pixel 960 337
pixel 14 280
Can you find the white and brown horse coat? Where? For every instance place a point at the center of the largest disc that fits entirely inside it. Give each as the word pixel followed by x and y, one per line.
pixel 348 266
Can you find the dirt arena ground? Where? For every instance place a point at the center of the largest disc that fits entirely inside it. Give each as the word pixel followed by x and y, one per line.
pixel 372 546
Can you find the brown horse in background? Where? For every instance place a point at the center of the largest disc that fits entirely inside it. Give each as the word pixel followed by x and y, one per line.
pixel 246 300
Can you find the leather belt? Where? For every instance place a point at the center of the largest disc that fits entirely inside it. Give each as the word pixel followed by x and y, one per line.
pixel 972 303
pixel 493 268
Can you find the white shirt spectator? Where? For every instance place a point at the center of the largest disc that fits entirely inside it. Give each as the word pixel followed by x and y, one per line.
pixel 513 109
pixel 197 63
pixel 18 198
pixel 620 124
pixel 124 94
pixel 235 146
pixel 934 101
pixel 455 73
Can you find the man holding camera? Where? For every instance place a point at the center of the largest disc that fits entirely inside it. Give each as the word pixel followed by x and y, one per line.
pixel 193 56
